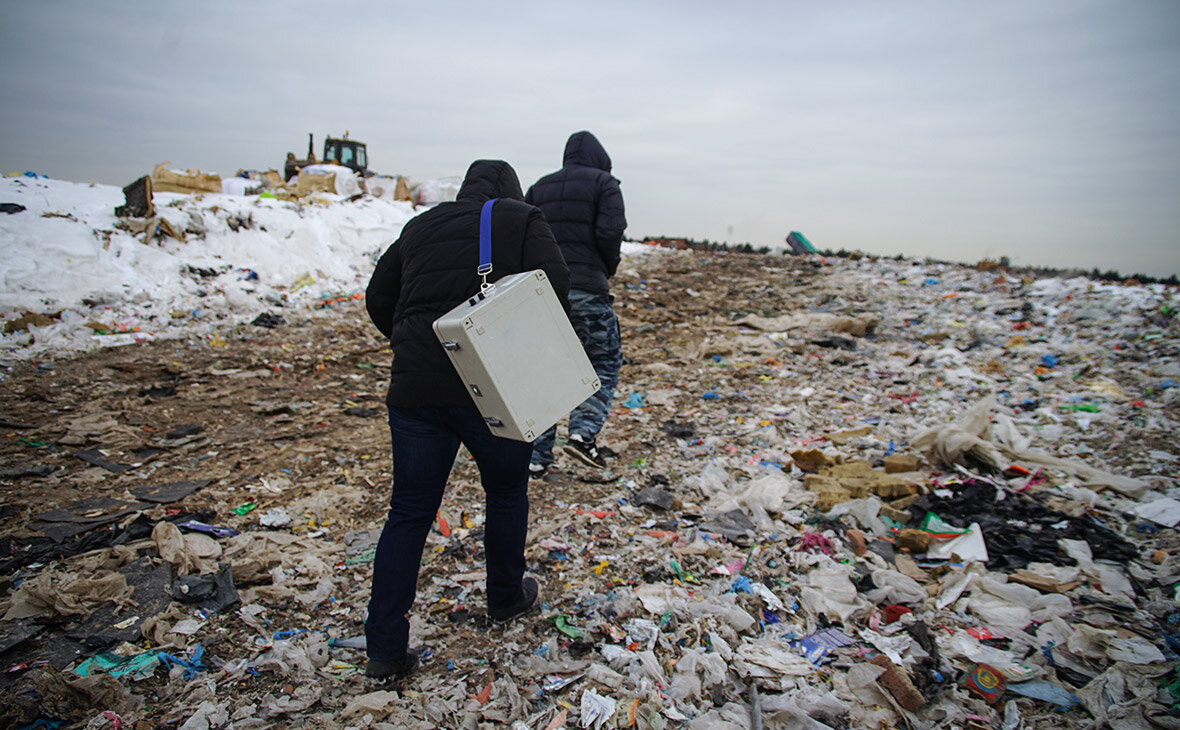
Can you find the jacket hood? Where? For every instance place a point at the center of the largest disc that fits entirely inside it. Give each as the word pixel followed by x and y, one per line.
pixel 487 179
pixel 583 148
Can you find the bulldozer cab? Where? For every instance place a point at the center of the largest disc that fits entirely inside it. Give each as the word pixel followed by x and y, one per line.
pixel 347 153
pixel 337 150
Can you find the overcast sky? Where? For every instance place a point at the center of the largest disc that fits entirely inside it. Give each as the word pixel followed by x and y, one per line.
pixel 1045 131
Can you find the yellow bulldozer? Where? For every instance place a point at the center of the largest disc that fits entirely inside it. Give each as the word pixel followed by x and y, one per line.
pixel 337 151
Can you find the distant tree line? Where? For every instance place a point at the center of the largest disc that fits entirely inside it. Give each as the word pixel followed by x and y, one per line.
pixel 1003 263
pixel 707 245
pixel 1037 272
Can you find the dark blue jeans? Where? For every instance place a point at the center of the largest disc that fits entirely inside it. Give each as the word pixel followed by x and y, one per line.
pixel 594 320
pixel 425 443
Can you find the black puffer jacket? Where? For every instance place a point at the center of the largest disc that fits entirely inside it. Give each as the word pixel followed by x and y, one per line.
pixel 430 269
pixel 584 207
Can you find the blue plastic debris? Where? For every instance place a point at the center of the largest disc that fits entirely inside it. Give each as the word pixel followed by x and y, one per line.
pixel 742 584
pixel 1040 689
pixel 350 642
pixel 192 666
pixel 635 400
pixel 213 530
pixel 286 634
pixel 816 647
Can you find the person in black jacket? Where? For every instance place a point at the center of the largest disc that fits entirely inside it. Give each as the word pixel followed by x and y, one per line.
pixel 428 271
pixel 584 206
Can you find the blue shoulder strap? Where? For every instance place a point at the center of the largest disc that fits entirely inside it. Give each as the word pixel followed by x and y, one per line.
pixel 485 239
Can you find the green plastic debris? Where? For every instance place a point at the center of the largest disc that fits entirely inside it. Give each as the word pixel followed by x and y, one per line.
pixel 1087 407
pixel 362 558
pixel 242 509
pixel 1173 687
pixel 681 574
pixel 675 566
pixel 563 625
pixel 935 525
pixel 799 243
pixel 139 666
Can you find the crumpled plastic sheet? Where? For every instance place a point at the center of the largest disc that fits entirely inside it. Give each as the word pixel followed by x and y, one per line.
pixel 605 676
pixel 642 631
pixel 55 592
pixel 1043 690
pixel 723 607
pixel 895 587
pixel 804 709
pixel 710 480
pixel 865 511
pixel 830 591
pixel 963 646
pixel 1124 696
pixel 1089 641
pixel 71 698
pixel 860 683
pixel 658 598
pixel 162 630
pixel 968 546
pixel 771 661
pixel 375 704
pixel 301 656
pixel 893 646
pixel 190 552
pixel 761 496
pixel 1163 511
pixel 730 716
pixel 596 709
pixel 974 440
pixel 696 671
pixel 208 715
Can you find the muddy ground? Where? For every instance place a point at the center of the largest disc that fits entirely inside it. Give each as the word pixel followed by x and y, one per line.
pixel 292 417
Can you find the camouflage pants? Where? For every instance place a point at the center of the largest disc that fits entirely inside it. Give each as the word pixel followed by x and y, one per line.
pixel 593 317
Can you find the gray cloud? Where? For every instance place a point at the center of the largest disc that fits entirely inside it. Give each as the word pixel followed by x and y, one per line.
pixel 1046 132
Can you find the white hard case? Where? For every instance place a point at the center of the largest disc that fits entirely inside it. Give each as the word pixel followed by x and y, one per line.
pixel 514 348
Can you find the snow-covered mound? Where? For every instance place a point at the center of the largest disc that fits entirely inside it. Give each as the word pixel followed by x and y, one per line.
pixel 74 276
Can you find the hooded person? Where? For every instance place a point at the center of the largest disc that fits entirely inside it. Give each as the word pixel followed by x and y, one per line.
pixel 584 206
pixel 426 272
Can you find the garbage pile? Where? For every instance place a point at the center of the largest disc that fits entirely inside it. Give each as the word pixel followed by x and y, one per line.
pixel 82 273
pixel 91 266
pixel 840 494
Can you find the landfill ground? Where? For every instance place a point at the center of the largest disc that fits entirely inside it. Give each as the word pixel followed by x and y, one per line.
pixel 760 551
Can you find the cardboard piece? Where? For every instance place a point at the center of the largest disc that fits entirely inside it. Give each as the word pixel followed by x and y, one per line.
pixel 187 182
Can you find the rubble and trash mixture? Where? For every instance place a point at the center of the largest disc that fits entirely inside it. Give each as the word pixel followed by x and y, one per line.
pixel 840 493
